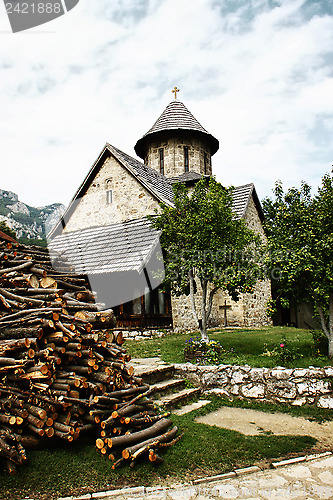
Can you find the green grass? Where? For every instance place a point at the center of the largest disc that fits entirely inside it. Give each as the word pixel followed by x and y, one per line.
pixel 203 450
pixel 248 345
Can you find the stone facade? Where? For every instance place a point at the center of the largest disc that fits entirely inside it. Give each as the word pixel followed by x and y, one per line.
pixel 297 386
pixel 199 157
pixel 130 200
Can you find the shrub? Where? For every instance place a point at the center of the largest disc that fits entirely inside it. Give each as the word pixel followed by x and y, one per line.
pixel 207 353
pixel 320 343
pixel 284 352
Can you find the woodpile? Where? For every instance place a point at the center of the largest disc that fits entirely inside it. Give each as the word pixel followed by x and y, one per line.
pixel 63 371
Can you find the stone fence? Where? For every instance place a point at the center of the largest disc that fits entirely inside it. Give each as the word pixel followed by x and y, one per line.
pixel 297 386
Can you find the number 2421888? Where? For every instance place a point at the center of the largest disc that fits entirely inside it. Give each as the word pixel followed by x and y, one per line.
pixel 34 8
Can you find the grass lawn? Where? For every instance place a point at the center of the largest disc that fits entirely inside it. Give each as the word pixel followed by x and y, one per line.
pixel 203 450
pixel 247 344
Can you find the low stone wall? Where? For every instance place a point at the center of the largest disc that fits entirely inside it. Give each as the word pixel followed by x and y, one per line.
pixel 296 386
pixel 143 334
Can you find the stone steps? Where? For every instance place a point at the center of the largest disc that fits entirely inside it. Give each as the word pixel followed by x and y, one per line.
pixel 168 391
pixel 169 401
pixel 166 386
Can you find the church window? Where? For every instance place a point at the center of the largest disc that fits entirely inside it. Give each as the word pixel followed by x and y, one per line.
pixel 109 197
pixel 161 153
pixel 206 163
pixel 186 165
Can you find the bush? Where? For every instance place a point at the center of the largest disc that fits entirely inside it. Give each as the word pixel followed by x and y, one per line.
pixel 207 353
pixel 320 343
pixel 284 352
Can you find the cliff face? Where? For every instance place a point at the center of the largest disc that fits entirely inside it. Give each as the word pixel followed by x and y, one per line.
pixel 28 222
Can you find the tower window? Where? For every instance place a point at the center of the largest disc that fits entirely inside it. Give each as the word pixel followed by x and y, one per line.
pixel 109 197
pixel 206 163
pixel 186 166
pixel 161 153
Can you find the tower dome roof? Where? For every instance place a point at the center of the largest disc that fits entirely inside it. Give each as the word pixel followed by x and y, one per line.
pixel 175 117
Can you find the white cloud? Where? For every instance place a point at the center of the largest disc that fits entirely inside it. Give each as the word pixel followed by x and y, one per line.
pixel 257 75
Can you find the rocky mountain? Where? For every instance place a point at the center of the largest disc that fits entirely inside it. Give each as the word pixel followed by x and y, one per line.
pixel 28 222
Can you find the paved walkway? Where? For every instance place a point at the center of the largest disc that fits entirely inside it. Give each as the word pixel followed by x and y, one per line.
pixel 310 478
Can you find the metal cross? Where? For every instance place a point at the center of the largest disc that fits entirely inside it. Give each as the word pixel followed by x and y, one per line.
pixel 175 90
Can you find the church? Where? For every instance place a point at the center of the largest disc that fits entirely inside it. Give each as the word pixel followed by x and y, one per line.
pixel 105 234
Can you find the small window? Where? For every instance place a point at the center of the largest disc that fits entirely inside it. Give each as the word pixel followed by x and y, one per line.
pixel 109 197
pixel 161 153
pixel 206 163
pixel 186 166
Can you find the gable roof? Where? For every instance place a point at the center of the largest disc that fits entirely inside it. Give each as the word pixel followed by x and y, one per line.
pixel 241 198
pixel 122 246
pixel 176 117
pixel 150 179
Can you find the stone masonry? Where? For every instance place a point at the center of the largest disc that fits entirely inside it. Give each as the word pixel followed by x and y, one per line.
pixel 129 199
pixel 297 386
pixel 173 150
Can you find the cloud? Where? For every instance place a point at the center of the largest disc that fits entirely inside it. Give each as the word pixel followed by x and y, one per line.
pixel 257 75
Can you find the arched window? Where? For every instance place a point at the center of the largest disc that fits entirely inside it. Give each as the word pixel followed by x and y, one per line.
pixel 108 184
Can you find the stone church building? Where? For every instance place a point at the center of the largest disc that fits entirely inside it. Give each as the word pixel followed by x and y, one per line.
pixel 104 232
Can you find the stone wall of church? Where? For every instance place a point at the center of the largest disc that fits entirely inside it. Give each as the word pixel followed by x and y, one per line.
pixel 173 154
pixel 127 200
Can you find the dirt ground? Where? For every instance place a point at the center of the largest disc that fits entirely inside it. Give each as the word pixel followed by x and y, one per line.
pixel 253 422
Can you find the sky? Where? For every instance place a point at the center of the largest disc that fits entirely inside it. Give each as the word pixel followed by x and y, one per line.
pixel 257 74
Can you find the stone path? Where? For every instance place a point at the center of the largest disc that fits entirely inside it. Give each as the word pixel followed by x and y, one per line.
pixel 305 478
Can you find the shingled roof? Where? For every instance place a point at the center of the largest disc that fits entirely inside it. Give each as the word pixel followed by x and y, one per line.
pixel 241 197
pixel 149 177
pixel 176 116
pixel 122 246
pixel 186 177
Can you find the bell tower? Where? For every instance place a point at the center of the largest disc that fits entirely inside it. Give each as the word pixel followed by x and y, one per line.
pixel 177 144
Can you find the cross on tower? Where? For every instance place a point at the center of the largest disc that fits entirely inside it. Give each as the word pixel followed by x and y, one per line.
pixel 175 90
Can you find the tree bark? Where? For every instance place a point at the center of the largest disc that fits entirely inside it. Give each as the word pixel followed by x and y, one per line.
pixel 194 311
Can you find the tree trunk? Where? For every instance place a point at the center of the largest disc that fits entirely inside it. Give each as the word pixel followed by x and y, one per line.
pixel 203 326
pixel 330 327
pixel 194 311
pixel 327 329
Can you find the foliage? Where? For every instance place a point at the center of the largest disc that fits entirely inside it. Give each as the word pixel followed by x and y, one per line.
pixel 300 241
pixel 7 230
pixel 207 353
pixel 206 246
pixel 320 343
pixel 284 352
pixel 32 241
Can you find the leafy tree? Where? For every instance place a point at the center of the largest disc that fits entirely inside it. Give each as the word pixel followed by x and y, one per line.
pixel 7 230
pixel 206 245
pixel 300 240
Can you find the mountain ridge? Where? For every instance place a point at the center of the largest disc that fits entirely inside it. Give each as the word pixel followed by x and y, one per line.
pixel 28 222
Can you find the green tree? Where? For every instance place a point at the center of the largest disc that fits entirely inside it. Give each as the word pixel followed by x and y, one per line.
pixel 300 241
pixel 206 247
pixel 7 230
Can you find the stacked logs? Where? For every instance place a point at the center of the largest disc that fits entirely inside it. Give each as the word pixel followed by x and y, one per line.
pixel 63 370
